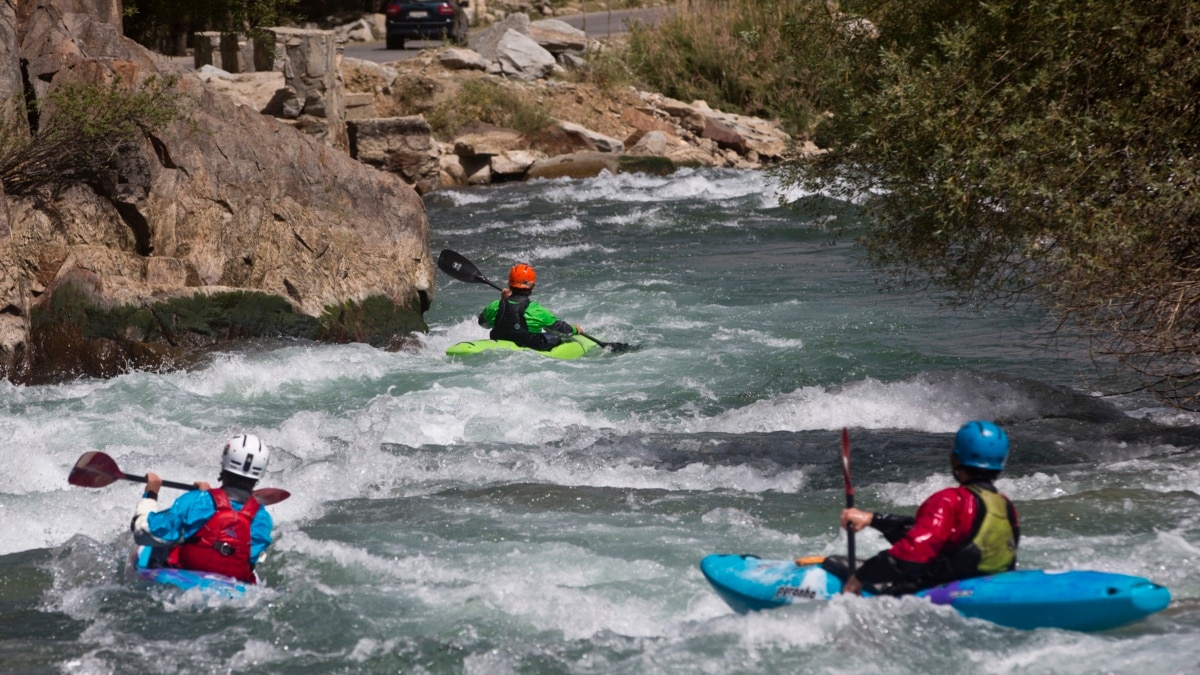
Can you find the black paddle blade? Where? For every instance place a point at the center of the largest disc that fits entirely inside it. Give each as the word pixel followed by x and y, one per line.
pixel 462 269
pixel 95 469
pixel 621 347
pixel 616 347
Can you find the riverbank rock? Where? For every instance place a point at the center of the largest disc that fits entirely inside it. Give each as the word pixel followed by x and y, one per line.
pixel 587 117
pixel 226 225
pixel 543 66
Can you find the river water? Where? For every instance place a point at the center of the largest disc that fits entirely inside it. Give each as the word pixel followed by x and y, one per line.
pixel 509 513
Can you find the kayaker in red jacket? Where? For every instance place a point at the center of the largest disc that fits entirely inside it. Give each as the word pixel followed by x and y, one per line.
pixel 959 532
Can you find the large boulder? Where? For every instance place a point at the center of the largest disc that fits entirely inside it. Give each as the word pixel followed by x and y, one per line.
pixel 485 42
pixel 203 216
pixel 521 57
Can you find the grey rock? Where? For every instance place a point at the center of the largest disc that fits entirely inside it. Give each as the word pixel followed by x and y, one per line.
pixel 603 143
pixel 456 58
pixel 522 58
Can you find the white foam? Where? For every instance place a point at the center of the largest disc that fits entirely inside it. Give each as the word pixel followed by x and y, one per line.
pixel 758 337
pixel 686 184
pixel 913 404
pixel 556 226
pixel 551 252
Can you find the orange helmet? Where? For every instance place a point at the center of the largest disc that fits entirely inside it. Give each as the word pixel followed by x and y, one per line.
pixel 522 276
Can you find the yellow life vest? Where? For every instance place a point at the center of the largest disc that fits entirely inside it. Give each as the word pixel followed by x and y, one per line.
pixel 994 538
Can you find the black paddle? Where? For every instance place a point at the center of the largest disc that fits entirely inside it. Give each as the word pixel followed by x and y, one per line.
pixel 849 496
pixel 96 469
pixel 460 268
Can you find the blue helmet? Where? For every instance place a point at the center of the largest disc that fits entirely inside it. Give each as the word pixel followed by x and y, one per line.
pixel 981 444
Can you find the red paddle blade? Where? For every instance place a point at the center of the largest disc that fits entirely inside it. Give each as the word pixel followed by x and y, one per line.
pixel 95 469
pixel 846 461
pixel 269 496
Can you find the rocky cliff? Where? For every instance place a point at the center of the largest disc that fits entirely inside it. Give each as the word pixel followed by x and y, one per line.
pixel 226 224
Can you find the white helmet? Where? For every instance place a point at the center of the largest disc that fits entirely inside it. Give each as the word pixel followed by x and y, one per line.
pixel 245 455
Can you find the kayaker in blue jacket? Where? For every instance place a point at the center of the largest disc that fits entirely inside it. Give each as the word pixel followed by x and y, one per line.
pixel 958 533
pixel 224 531
pixel 516 318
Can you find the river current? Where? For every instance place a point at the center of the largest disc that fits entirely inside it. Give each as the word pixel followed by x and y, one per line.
pixel 510 513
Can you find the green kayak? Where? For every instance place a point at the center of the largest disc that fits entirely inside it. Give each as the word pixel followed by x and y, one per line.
pixel 571 348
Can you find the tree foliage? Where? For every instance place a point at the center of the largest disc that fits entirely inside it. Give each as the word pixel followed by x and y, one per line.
pixel 1031 150
pixel 167 26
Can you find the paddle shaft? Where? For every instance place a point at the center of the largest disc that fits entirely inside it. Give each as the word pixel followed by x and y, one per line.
pixel 166 483
pixel 95 469
pixel 265 496
pixel 849 498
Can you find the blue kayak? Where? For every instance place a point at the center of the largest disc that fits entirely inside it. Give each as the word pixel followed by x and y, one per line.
pixel 140 570
pixel 1072 600
pixel 572 347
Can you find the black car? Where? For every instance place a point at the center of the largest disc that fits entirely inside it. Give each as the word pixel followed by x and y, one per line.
pixel 429 20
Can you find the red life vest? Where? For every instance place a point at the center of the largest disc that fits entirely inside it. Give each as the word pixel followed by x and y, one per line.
pixel 222 545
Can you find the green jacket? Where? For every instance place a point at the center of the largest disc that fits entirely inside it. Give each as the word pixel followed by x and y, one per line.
pixel 537 318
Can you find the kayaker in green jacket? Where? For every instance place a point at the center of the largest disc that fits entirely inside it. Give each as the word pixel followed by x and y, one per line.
pixel 516 318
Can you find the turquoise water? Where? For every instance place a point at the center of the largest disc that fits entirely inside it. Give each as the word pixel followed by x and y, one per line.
pixel 508 513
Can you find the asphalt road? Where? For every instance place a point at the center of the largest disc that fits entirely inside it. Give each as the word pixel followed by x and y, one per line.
pixel 596 24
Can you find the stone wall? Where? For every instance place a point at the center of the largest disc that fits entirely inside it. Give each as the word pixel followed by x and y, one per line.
pixel 310 61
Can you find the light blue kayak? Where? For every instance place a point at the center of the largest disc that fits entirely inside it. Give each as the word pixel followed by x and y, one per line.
pixel 1072 600
pixel 139 570
pixel 572 347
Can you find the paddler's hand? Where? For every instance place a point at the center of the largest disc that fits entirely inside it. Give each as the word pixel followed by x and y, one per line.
pixel 153 482
pixel 859 519
pixel 578 329
pixel 852 585
pixel 203 486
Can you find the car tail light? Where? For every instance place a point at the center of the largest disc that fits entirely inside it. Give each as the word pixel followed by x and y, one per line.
pixel 393 8
pixel 445 9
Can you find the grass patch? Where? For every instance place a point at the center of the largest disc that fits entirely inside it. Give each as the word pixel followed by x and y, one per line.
pixel 744 56
pixel 607 68
pixel 487 100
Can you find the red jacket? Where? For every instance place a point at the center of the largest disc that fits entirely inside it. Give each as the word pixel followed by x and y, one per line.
pixel 923 548
pixel 946 518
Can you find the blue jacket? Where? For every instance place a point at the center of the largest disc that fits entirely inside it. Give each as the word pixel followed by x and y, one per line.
pixel 191 510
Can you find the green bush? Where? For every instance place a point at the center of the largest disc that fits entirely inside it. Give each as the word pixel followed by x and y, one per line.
pixel 80 131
